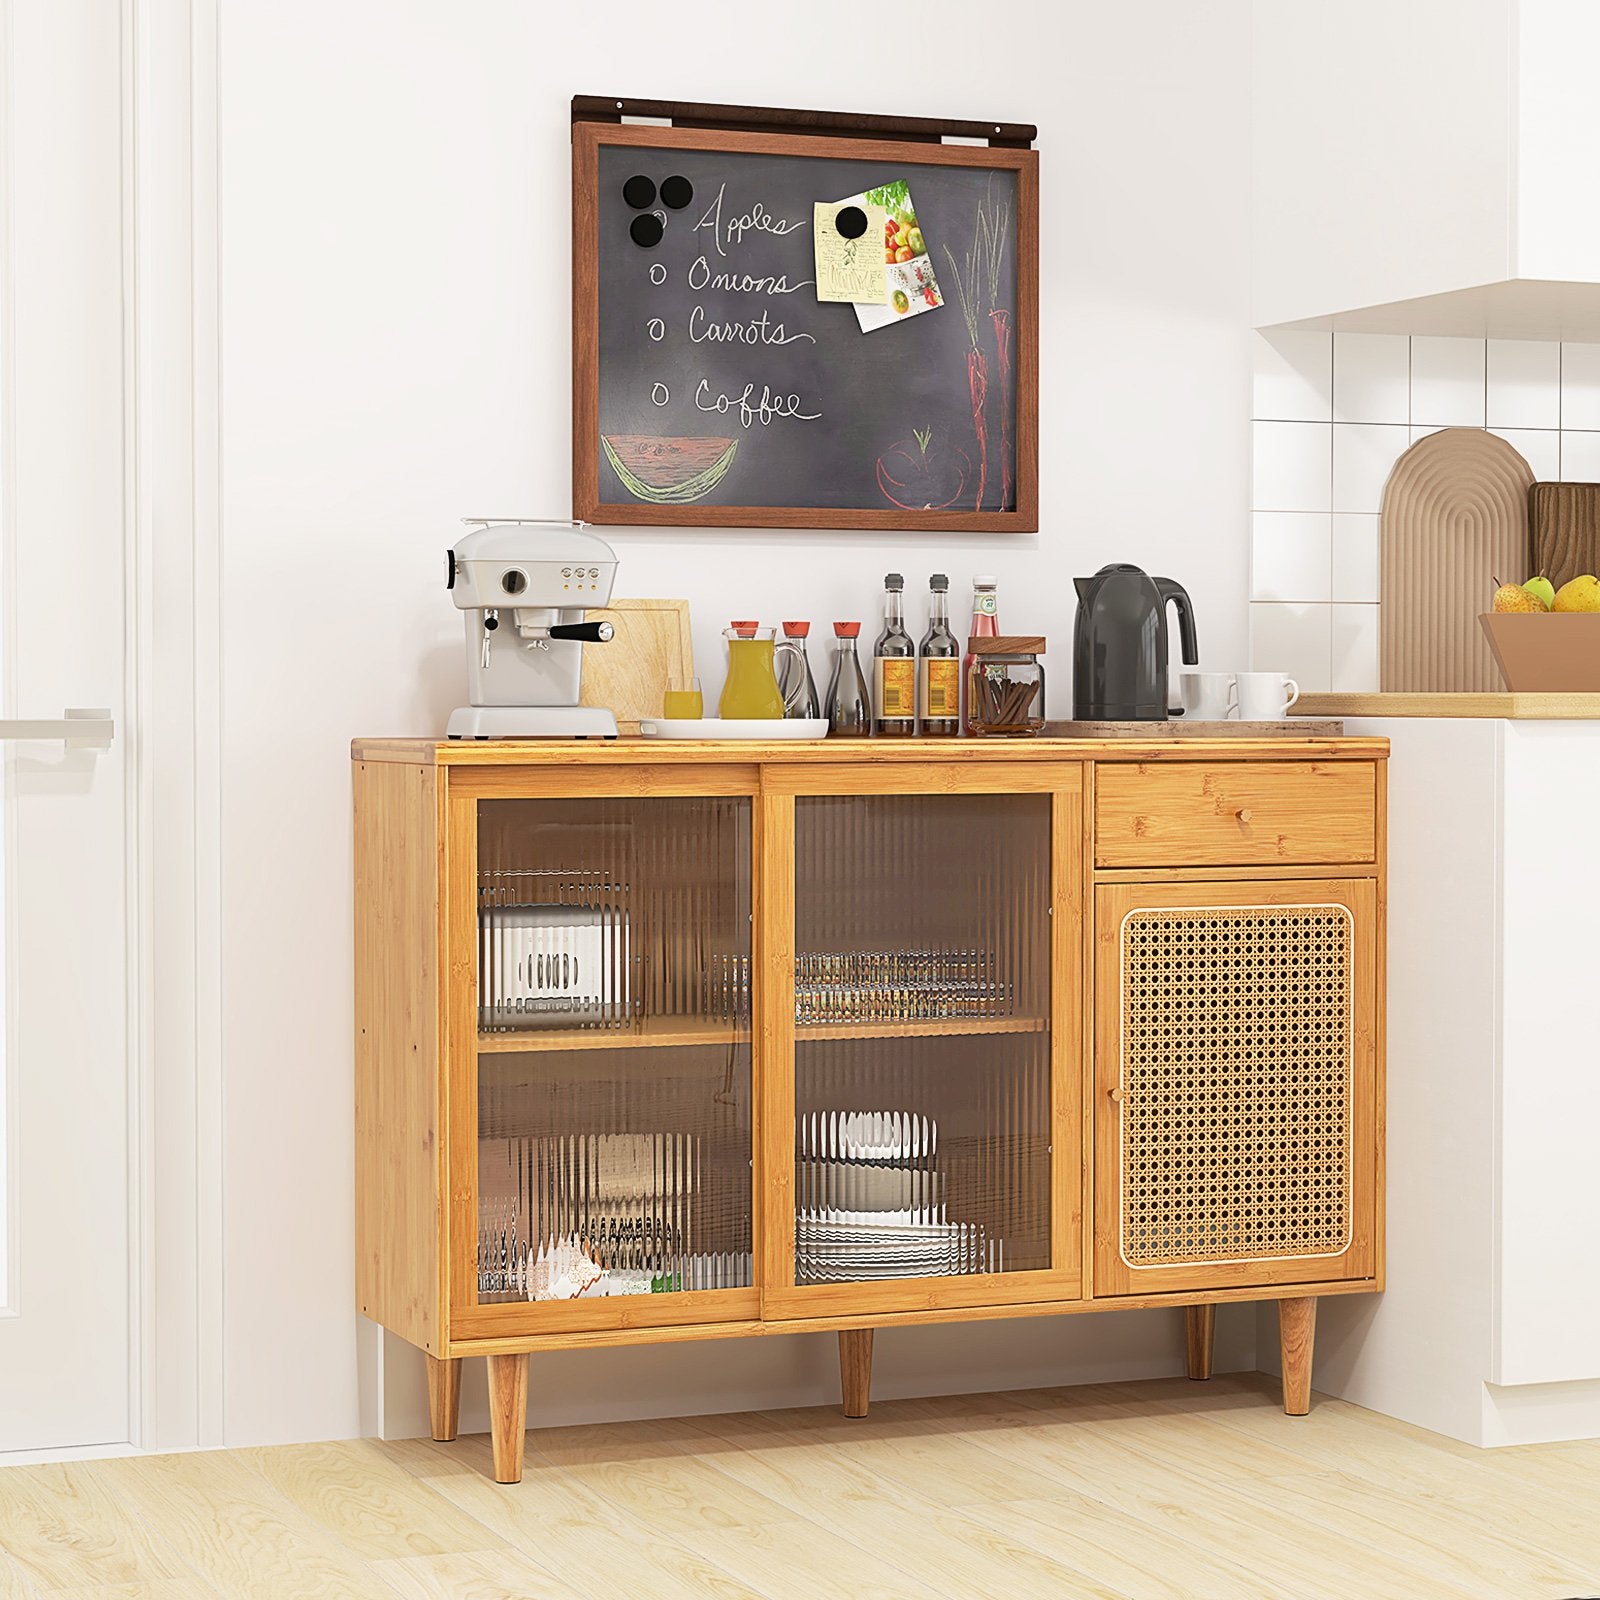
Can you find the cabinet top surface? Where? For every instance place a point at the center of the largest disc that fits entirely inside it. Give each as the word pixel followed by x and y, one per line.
pixel 1513 707
pixel 863 752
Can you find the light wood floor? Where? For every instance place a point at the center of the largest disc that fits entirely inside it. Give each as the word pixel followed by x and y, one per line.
pixel 1166 1489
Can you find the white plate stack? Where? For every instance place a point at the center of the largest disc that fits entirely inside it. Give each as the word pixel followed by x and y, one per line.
pixel 871 1202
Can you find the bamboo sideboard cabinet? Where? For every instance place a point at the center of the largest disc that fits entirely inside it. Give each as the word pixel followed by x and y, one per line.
pixel 687 1041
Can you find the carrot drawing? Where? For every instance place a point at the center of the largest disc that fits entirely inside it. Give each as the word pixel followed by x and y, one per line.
pixel 977 364
pixel 992 236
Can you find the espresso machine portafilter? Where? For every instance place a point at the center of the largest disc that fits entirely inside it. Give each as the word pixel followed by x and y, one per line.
pixel 524 588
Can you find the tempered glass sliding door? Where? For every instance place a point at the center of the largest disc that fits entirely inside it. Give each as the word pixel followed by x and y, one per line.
pixel 922 1107
pixel 612 1156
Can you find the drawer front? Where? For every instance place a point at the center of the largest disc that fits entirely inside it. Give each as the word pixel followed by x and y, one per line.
pixel 1225 814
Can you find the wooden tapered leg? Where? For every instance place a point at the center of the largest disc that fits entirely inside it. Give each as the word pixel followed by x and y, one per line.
pixel 508 1414
pixel 1297 1331
pixel 855 1369
pixel 444 1397
pixel 1199 1329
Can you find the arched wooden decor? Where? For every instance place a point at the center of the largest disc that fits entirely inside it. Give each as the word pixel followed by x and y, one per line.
pixel 1455 515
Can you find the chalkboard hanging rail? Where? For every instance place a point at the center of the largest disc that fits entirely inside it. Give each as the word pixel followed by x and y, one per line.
pixel 775 119
pixel 733 368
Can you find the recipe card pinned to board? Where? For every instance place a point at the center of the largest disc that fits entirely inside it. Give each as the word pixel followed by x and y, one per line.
pixel 849 244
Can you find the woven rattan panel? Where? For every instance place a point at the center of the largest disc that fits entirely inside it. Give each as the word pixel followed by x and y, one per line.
pixel 1236 1083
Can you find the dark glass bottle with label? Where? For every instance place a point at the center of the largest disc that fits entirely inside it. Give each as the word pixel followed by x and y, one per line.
pixel 849 709
pixel 939 692
pixel 894 667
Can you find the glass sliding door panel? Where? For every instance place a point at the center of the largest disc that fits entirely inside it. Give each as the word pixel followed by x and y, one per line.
pixel 922 1157
pixel 613 1172
pixel 613 1058
pixel 922 1073
pixel 613 914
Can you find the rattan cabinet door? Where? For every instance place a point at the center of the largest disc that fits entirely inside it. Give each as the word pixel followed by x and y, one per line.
pixel 1237 1091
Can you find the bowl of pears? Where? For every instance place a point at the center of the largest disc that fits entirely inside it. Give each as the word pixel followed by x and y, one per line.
pixel 1545 639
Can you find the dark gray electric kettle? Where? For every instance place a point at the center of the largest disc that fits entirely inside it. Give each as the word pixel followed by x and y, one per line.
pixel 1119 646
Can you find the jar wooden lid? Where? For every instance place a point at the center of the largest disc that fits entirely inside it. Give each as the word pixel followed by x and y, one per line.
pixel 1007 644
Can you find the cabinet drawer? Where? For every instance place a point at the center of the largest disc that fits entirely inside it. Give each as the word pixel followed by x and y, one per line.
pixel 1228 814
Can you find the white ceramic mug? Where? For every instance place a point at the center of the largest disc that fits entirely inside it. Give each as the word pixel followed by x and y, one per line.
pixel 1266 696
pixel 1207 696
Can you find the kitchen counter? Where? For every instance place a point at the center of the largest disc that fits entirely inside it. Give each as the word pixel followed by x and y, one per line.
pixel 1513 707
pixel 1487 1331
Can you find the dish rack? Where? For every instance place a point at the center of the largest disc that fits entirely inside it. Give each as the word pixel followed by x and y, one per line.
pixel 912 985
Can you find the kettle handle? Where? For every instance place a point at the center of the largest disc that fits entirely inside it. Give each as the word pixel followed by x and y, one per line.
pixel 1176 594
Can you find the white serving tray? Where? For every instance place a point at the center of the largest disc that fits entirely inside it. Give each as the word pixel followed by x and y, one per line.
pixel 734 727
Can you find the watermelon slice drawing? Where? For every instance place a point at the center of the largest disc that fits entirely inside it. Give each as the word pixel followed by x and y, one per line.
pixel 668 472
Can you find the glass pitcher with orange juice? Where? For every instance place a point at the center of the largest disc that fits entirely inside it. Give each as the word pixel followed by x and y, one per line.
pixel 752 686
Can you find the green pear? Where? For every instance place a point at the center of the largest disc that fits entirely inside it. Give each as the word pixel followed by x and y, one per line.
pixel 1541 588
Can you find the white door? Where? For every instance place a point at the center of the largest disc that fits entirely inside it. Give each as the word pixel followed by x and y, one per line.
pixel 64 1114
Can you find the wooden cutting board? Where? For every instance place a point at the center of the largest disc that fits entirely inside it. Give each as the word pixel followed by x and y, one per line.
pixel 1564 523
pixel 1455 516
pixel 629 674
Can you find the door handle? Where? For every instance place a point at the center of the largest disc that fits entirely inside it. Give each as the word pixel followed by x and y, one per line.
pixel 79 728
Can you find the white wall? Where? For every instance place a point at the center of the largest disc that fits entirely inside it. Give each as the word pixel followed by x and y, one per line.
pixel 394 196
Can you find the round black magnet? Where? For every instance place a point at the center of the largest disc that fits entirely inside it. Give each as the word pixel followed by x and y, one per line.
pixel 639 192
pixel 851 221
pixel 676 192
pixel 646 230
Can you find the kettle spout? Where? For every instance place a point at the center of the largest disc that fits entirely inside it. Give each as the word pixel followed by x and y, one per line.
pixel 1082 586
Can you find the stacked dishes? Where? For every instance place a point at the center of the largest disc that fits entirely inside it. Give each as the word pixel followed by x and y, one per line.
pixel 871 1202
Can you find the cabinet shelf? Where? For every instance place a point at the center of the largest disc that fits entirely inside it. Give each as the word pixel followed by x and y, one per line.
pixel 656 1033
pixel 664 1032
pixel 927 1027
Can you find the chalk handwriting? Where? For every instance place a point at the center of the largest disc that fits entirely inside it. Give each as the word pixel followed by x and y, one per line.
pixel 769 408
pixel 756 220
pixel 758 330
pixel 702 277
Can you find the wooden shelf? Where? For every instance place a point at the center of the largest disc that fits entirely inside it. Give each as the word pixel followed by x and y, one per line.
pixel 928 1027
pixel 657 1033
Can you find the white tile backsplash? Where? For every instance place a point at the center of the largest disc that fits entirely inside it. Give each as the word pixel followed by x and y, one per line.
pixel 1294 639
pixel 1290 555
pixel 1524 383
pixel 1580 386
pixel 1354 649
pixel 1447 382
pixel 1293 466
pixel 1356 560
pixel 1580 457
pixel 1371 377
pixel 1293 376
pixel 1387 391
pixel 1363 455
pixel 1539 447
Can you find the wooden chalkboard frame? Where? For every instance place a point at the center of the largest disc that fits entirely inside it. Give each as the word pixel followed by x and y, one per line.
pixel 587 140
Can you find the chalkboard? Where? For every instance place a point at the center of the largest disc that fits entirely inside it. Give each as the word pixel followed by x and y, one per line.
pixel 711 386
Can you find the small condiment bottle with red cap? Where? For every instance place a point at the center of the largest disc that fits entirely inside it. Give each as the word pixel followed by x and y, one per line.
pixel 798 687
pixel 849 708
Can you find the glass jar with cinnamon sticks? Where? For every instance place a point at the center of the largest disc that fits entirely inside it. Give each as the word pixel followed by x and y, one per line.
pixel 1005 685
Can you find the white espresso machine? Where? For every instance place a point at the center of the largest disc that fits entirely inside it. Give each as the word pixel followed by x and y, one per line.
pixel 524 587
